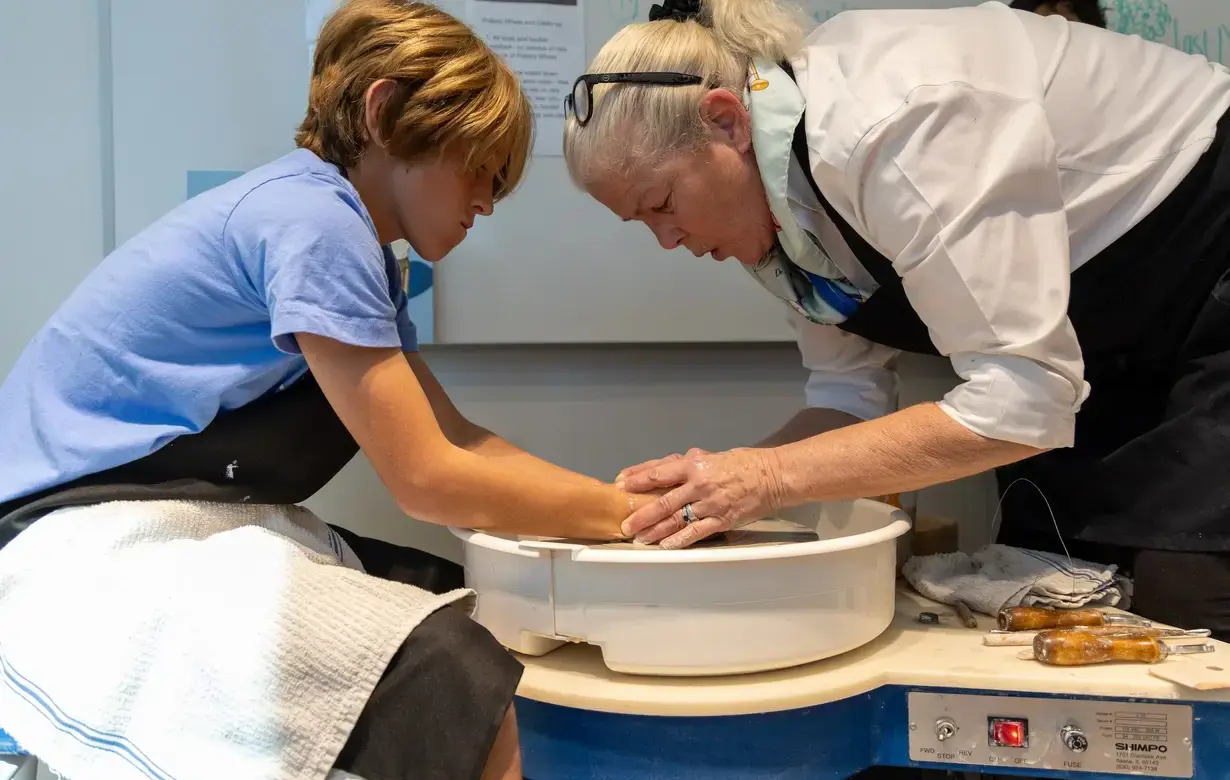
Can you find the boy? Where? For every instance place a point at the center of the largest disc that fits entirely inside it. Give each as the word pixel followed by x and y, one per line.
pixel 220 368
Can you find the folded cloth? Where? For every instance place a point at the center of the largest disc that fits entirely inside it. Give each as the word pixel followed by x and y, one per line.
pixel 178 640
pixel 999 576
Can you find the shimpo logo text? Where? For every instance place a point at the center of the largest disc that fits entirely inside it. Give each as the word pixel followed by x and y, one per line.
pixel 1140 747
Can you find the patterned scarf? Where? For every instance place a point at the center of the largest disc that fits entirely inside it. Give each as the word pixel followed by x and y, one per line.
pixel 828 300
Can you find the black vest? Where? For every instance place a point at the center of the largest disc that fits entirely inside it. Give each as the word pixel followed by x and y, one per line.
pixel 886 317
pixel 278 449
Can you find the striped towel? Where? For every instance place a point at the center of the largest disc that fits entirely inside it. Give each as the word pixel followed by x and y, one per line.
pixel 177 640
pixel 999 576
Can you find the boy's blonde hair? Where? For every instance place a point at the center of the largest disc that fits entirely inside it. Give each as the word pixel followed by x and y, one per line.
pixel 453 92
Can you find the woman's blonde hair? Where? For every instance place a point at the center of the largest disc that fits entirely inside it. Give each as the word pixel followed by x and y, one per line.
pixel 639 124
pixel 452 91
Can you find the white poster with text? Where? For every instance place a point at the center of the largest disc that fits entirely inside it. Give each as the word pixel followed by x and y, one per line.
pixel 544 42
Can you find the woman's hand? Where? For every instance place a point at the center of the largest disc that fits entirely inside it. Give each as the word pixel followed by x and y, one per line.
pixel 724 489
pixel 919 446
pixel 637 469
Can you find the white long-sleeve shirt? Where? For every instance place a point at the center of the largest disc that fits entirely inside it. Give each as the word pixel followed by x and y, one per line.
pixel 989 153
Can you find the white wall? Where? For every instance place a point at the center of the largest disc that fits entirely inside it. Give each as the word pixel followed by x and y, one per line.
pixel 51 205
pixel 591 409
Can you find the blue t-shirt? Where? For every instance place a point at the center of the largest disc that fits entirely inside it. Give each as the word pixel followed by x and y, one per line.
pixel 197 315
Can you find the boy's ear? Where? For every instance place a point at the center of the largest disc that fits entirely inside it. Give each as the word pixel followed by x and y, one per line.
pixel 373 105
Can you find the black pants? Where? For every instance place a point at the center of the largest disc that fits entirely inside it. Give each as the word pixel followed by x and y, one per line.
pixel 436 711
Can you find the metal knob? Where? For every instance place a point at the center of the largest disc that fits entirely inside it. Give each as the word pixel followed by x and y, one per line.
pixel 1074 739
pixel 945 729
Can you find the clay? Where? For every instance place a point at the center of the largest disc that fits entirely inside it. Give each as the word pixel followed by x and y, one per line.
pixel 771 531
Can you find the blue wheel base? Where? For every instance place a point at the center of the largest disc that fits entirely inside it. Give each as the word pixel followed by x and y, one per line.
pixel 564 743
pixel 827 742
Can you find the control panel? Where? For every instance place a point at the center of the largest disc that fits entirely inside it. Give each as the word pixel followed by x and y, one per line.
pixel 1067 735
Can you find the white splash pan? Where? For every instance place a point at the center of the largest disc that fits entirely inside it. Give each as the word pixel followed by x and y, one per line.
pixel 698 611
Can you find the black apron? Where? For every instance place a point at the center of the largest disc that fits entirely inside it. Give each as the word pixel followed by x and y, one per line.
pixel 1150 468
pixel 279 449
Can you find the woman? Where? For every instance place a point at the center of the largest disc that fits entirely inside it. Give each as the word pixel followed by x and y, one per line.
pixel 977 183
pixel 1087 11
pixel 181 618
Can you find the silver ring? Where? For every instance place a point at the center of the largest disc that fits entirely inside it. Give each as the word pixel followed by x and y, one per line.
pixel 689 516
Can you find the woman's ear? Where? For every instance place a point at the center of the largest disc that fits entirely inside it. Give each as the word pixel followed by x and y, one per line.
pixel 726 119
pixel 373 104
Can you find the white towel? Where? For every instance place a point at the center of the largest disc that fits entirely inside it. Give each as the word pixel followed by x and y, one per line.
pixel 999 576
pixel 19 767
pixel 176 640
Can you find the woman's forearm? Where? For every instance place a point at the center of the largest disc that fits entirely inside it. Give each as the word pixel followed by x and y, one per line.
pixel 911 449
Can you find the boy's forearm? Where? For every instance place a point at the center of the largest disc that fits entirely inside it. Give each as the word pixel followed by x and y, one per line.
pixel 483 442
pixel 517 495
